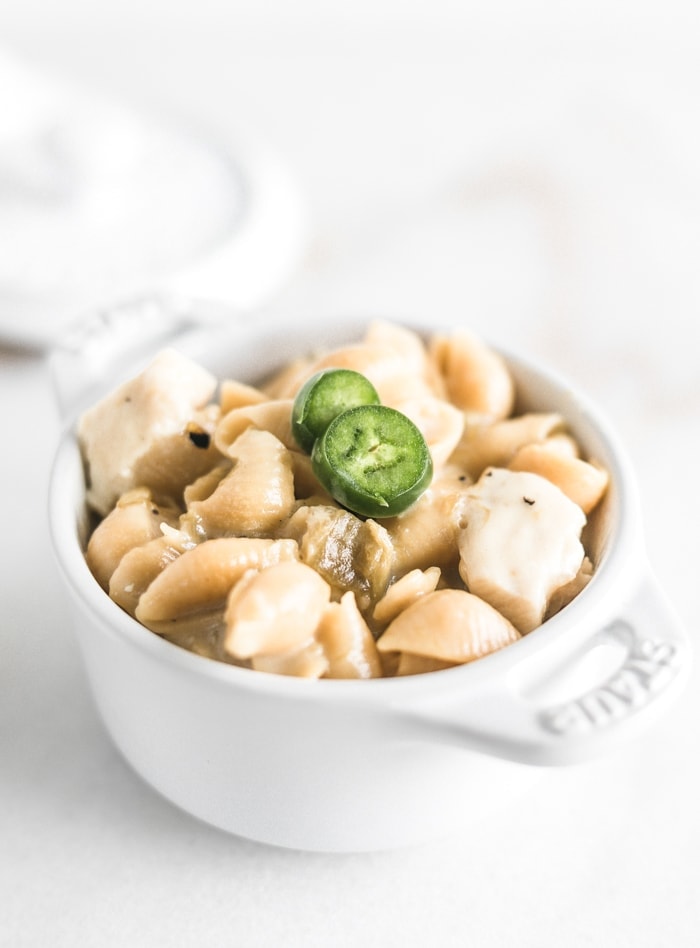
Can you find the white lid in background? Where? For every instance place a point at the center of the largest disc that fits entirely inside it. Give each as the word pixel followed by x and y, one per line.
pixel 98 203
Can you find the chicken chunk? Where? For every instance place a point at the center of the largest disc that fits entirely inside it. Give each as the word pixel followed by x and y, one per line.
pixel 120 433
pixel 519 544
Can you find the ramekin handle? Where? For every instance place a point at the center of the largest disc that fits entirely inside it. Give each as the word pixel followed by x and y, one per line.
pixel 518 719
pixel 113 341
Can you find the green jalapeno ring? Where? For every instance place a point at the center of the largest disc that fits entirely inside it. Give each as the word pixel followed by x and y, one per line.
pixel 373 460
pixel 324 396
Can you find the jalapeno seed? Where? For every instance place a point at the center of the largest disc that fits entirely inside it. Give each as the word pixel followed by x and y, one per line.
pixel 373 460
pixel 324 396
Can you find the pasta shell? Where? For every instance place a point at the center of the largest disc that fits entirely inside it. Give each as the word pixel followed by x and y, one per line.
pixel 420 368
pixel 419 664
pixel 272 416
pixel 563 443
pixel 405 591
pixel 274 610
pixel 495 445
pixel 347 641
pixel 172 461
pixel 308 661
pixel 256 496
pixel 306 484
pixel 201 633
pixel 440 423
pixel 405 342
pixel 234 394
pixel 379 362
pixel 581 481
pixel 427 534
pixel 286 382
pixel 139 567
pixel 205 485
pixel 449 625
pixel 134 521
pixel 477 379
pixel 202 577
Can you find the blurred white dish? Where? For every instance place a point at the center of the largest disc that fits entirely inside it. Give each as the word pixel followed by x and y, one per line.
pixel 99 203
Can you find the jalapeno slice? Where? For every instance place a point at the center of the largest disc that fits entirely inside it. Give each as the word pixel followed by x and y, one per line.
pixel 373 460
pixel 324 396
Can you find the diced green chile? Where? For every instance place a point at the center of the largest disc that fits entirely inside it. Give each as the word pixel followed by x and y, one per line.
pixel 324 396
pixel 373 460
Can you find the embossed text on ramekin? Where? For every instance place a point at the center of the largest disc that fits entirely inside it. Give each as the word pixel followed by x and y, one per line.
pixel 648 667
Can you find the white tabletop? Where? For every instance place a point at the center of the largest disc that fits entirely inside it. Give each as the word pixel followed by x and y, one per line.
pixel 535 176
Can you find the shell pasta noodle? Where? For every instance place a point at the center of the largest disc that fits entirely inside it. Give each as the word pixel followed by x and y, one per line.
pixel 217 529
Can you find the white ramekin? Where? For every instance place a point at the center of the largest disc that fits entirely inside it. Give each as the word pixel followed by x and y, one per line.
pixel 363 765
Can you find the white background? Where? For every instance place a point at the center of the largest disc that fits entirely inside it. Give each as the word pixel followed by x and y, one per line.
pixel 529 169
